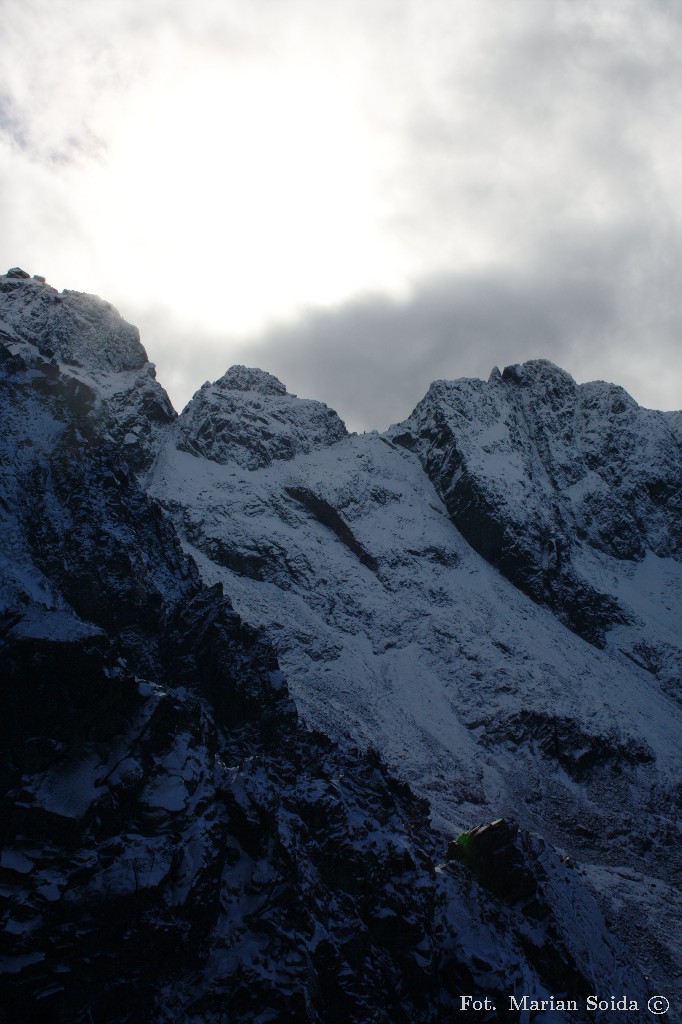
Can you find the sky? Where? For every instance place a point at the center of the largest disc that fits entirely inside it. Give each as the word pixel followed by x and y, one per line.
pixel 359 196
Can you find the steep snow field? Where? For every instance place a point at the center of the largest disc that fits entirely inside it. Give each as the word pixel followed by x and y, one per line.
pixel 394 632
pixel 429 650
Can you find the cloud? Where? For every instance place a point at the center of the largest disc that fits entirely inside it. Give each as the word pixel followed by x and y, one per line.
pixel 584 305
pixel 549 114
pixel 585 309
pixel 358 197
pixel 12 124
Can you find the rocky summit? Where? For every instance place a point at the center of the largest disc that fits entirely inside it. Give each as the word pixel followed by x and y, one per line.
pixel 307 726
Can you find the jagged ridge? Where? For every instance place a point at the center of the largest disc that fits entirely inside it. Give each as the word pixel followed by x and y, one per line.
pixel 532 467
pixel 172 811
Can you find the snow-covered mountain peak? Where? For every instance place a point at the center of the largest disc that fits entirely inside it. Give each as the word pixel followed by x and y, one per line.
pixel 163 804
pixel 249 378
pixel 74 327
pixel 538 373
pixel 539 473
pixel 80 347
pixel 247 417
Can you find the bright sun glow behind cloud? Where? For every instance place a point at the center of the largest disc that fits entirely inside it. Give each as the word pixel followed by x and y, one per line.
pixel 223 170
pixel 225 148
pixel 259 179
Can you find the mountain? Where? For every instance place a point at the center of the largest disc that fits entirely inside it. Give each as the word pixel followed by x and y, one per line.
pixel 248 807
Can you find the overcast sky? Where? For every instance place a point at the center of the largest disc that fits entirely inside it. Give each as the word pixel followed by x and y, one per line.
pixel 359 197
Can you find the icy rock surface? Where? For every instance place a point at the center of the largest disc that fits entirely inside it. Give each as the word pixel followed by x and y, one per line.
pixel 72 326
pixel 247 417
pixel 536 470
pixel 393 629
pixel 91 353
pixel 177 844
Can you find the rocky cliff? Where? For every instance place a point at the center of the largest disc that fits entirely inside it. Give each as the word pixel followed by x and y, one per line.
pixel 178 843
pixel 542 476
pixel 246 417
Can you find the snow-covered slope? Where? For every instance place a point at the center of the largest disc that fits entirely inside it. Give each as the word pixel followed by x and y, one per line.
pixel 176 844
pixel 544 477
pixel 395 631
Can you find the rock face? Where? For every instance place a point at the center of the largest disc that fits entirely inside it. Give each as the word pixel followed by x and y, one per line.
pixel 177 844
pixel 76 328
pixel 533 469
pixel 394 628
pixel 174 845
pixel 248 418
pixel 93 354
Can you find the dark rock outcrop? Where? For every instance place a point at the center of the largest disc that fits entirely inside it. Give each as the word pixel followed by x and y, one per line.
pixel 247 417
pixel 79 349
pixel 533 467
